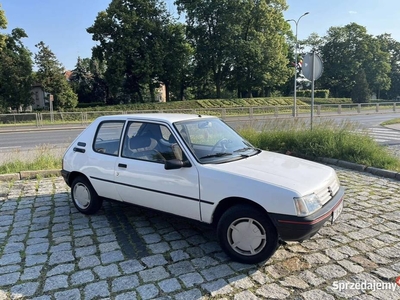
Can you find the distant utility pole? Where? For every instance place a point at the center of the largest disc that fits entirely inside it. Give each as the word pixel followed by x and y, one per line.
pixel 295 63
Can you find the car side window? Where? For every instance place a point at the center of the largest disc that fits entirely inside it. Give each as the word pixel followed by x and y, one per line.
pixel 108 137
pixel 149 141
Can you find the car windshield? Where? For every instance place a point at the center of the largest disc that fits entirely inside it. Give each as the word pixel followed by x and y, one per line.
pixel 212 141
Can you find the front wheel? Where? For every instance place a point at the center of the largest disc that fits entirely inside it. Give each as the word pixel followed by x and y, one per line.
pixel 247 235
pixel 84 196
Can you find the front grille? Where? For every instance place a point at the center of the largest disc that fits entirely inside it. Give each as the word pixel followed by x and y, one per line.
pixel 329 191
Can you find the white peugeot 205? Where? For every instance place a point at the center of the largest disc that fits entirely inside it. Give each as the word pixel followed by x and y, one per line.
pixel 198 167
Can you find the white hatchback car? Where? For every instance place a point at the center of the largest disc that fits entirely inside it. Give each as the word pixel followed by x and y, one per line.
pixel 198 167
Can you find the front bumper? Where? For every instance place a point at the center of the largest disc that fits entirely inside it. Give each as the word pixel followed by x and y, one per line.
pixel 293 228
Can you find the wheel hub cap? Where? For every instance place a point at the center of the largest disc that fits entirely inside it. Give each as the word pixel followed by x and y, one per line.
pixel 81 196
pixel 247 236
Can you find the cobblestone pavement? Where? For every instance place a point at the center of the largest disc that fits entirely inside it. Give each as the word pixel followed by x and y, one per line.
pixel 48 250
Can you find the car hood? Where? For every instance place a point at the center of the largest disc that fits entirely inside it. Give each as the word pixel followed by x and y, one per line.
pixel 298 175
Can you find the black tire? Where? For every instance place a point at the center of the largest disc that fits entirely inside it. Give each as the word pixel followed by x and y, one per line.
pixel 253 227
pixel 84 196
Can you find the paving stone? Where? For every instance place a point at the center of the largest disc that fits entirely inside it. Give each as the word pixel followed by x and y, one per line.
pixel 260 277
pixel 107 271
pixel 178 255
pixel 125 296
pixel 61 269
pixel 154 260
pixel 386 274
pixel 13 248
pixel 85 251
pixel 180 268
pixel 125 283
pixel 55 282
pixel 294 281
pixel 241 282
pixel 203 262
pixel 316 258
pixel 191 279
pixel 112 257
pixel 26 289
pixel 157 248
pixel 61 247
pixel 148 291
pixel 155 274
pixel 273 291
pixel 10 259
pixel 246 295
pixel 32 260
pixel 180 244
pixel 351 267
pixel 152 238
pixel 217 272
pixel 311 278
pixel 89 262
pixel 69 294
pixel 10 269
pixel 61 257
pixel 82 277
pixel 10 278
pixel 317 295
pixel 193 294
pixel 131 266
pixel 169 285
pixel 218 287
pixel 96 289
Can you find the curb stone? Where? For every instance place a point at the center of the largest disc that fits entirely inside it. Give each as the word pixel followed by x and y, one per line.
pixel 29 175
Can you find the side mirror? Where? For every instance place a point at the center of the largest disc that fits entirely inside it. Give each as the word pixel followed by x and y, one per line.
pixel 174 164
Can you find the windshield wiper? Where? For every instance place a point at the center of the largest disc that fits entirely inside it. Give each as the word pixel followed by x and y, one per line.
pixel 244 149
pixel 218 154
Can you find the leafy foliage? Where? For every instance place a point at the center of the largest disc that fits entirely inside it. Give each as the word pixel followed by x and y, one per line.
pixel 15 72
pixel 50 75
pixel 360 92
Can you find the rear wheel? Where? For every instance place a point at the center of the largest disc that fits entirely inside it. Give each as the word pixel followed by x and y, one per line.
pixel 247 235
pixel 84 196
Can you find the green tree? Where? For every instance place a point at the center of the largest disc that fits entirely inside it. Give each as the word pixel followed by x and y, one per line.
pixel 129 33
pixel 15 71
pixel 208 27
pixel 360 92
pixel 238 44
pixel 348 49
pixel 3 25
pixel 175 59
pixel 259 48
pixel 50 75
pixel 391 46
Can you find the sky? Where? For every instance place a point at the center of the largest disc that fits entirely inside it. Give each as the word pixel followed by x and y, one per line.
pixel 61 24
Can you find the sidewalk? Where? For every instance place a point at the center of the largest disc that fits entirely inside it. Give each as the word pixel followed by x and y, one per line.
pixel 48 250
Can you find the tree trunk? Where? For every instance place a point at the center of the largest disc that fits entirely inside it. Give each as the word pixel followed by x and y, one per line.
pixel 166 92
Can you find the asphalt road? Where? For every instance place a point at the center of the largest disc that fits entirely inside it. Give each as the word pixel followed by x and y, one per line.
pixel 60 138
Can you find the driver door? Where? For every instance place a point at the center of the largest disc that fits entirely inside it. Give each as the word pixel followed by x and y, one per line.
pixel 142 178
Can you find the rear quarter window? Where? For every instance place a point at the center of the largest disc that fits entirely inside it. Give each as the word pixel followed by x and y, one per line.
pixel 108 137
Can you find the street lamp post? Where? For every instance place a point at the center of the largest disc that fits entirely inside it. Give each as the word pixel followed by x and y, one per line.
pixel 295 64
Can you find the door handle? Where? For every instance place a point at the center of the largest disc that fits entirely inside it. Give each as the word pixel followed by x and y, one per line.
pixel 122 166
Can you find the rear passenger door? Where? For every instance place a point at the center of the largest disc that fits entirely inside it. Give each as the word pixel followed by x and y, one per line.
pixel 140 175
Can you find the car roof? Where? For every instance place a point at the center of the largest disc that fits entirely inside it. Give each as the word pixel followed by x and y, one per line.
pixel 163 117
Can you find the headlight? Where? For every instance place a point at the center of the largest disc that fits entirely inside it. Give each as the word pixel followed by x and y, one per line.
pixel 306 205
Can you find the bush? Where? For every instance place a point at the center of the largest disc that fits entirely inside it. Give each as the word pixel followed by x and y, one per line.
pixel 317 93
pixel 325 140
